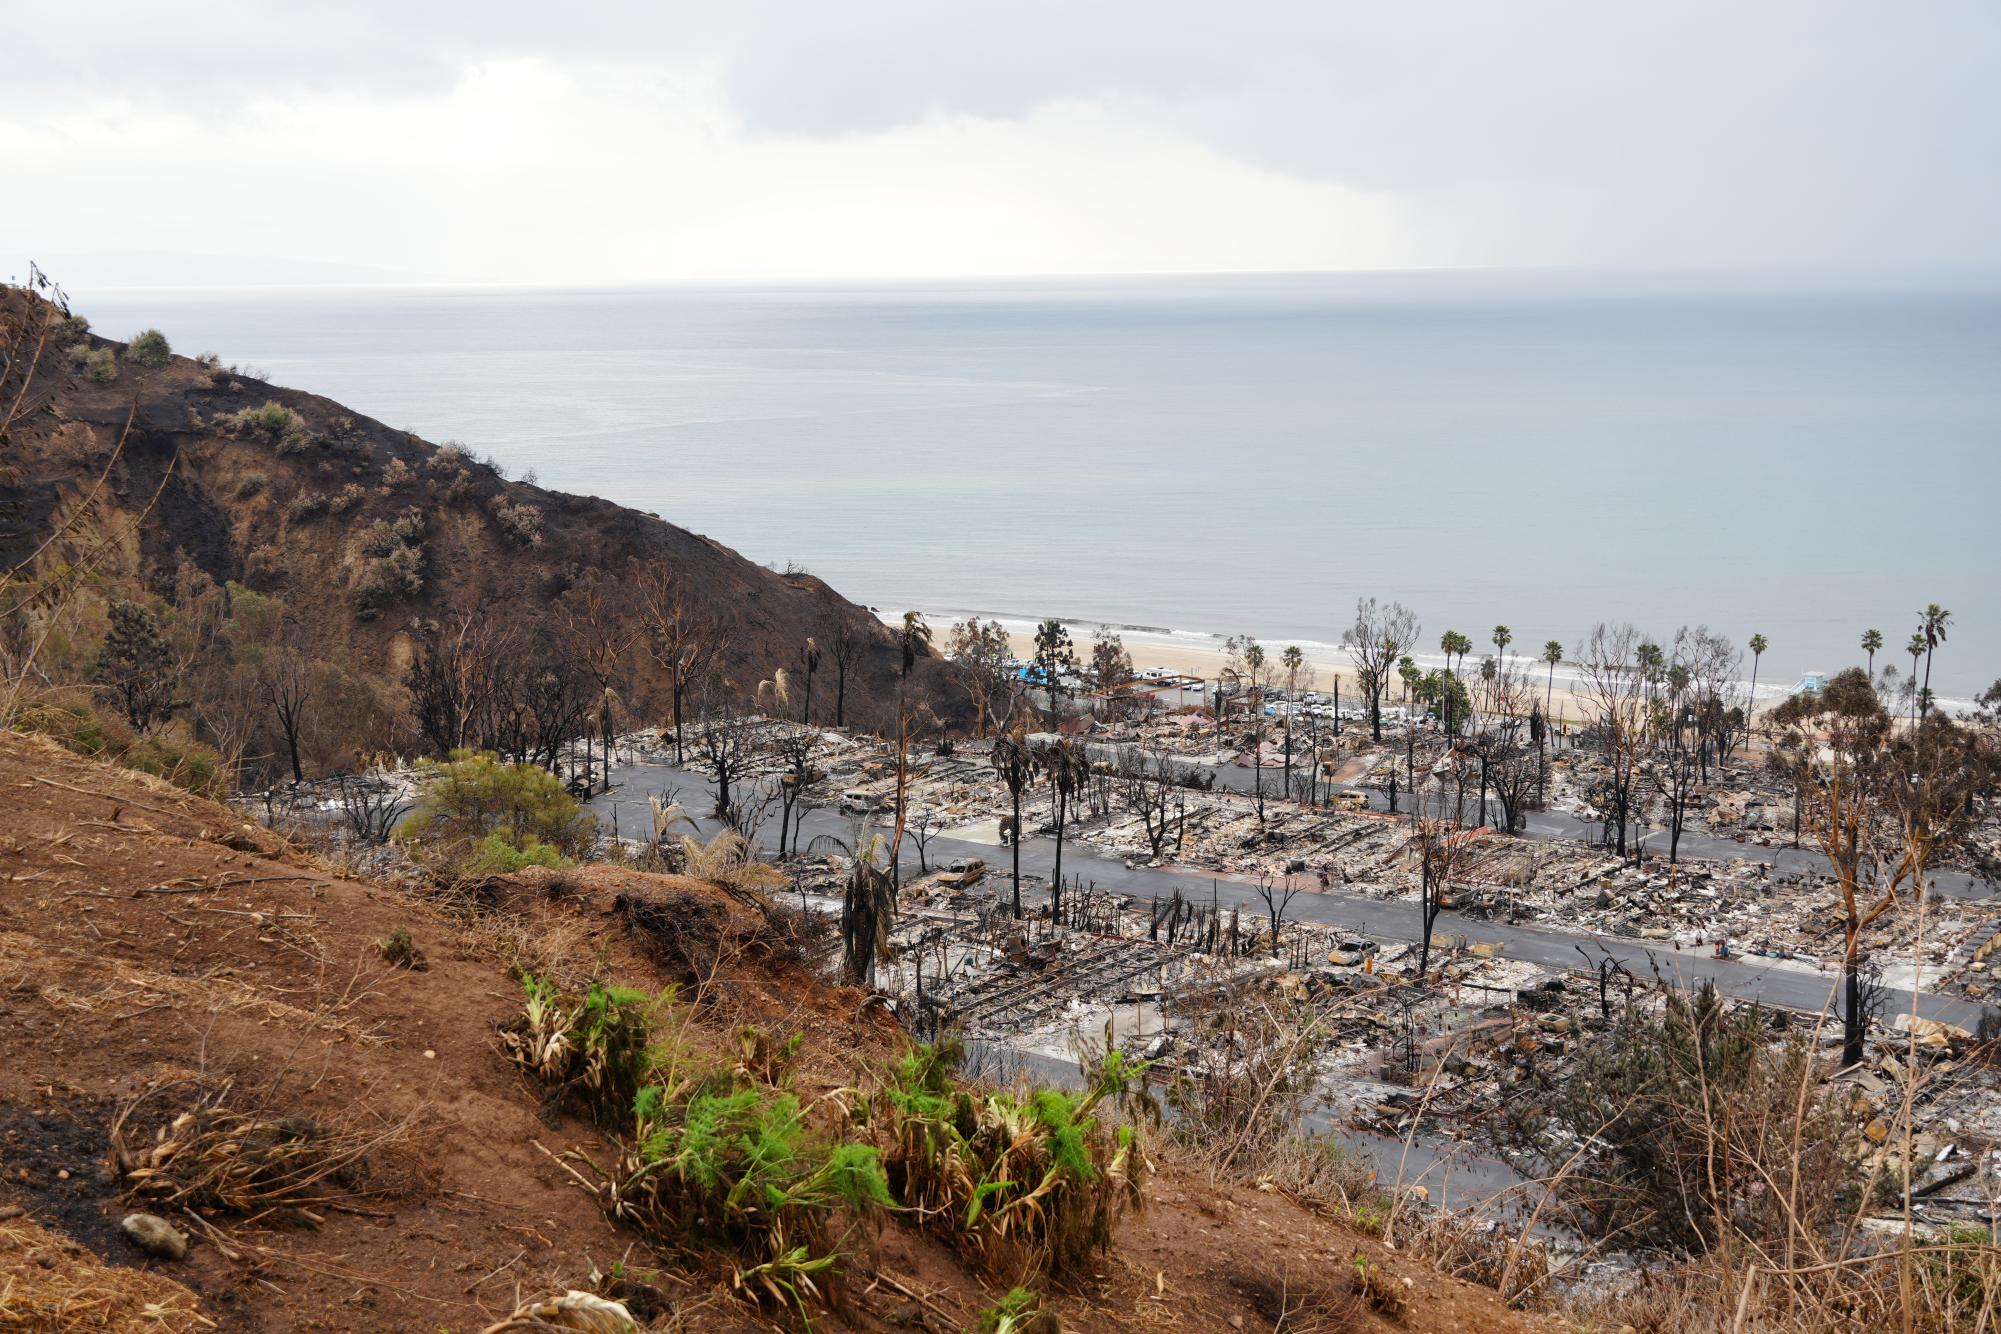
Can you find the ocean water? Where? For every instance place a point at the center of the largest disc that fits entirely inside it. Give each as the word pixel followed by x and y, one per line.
pixel 1215 455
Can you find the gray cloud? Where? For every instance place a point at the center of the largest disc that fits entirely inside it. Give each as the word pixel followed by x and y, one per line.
pixel 1835 131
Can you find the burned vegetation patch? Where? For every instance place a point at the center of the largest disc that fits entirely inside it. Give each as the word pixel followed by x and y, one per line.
pixel 223 1152
pixel 56 1168
pixel 687 935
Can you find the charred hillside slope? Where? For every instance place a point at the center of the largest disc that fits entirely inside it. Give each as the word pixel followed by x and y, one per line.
pixel 373 537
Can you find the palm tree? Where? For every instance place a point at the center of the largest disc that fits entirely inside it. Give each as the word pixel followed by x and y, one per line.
pixel 1936 619
pixel 1552 653
pixel 1503 637
pixel 1871 641
pixel 914 639
pixel 1758 647
pixel 1068 769
pixel 1916 648
pixel 1295 662
pixel 1014 764
pixel 868 902
pixel 1455 645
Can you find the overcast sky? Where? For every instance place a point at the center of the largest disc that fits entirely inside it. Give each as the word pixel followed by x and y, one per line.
pixel 655 141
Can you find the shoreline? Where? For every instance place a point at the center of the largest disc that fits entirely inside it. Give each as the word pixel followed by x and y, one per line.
pixel 1200 653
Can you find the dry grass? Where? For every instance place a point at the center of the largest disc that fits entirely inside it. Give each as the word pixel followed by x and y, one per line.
pixel 51 1285
pixel 213 1157
pixel 553 946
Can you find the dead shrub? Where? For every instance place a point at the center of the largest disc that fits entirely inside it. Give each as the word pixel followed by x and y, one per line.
pixel 212 1157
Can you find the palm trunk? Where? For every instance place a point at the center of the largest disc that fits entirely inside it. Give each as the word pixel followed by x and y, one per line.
pixel 679 758
pixel 1017 854
pixel 1852 1018
pixel 1056 884
pixel 1751 705
pixel 1288 755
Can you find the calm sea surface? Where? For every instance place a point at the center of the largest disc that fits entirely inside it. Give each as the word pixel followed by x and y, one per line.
pixel 1225 454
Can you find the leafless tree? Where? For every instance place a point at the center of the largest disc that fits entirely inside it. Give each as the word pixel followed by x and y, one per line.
pixel 1881 805
pixel 369 807
pixel 1617 693
pixel 1444 851
pixel 1714 700
pixel 752 808
pixel 451 679
pixel 793 745
pixel 908 724
pixel 1669 770
pixel 844 644
pixel 727 744
pixel 1498 742
pixel 684 640
pixel 601 634
pixel 919 829
pixel 1277 898
pixel 1378 638
pixel 1150 782
pixel 290 682
pixel 557 698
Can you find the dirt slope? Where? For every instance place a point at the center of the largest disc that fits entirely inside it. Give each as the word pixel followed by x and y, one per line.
pixel 149 940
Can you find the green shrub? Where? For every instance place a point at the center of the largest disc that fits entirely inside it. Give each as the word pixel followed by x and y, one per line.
pixel 1029 1180
pixel 385 562
pixel 714 1159
pixel 592 1052
pixel 73 722
pixel 401 951
pixel 149 348
pixel 1962 1274
pixel 275 425
pixel 479 811
pixel 1013 1314
pixel 736 1159
pixel 101 365
pixel 181 761
pixel 520 521
pixel 498 856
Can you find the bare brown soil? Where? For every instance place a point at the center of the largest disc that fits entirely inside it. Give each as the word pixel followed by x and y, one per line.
pixel 154 941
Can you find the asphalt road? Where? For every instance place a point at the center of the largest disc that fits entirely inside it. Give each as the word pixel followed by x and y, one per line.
pixel 1771 983
pixel 1695 843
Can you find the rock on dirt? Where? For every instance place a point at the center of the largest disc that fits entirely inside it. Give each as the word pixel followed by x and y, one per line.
pixel 156 1236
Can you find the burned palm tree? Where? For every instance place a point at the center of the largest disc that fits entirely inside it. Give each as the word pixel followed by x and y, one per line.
pixel 868 903
pixel 1068 769
pixel 913 640
pixel 1014 765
